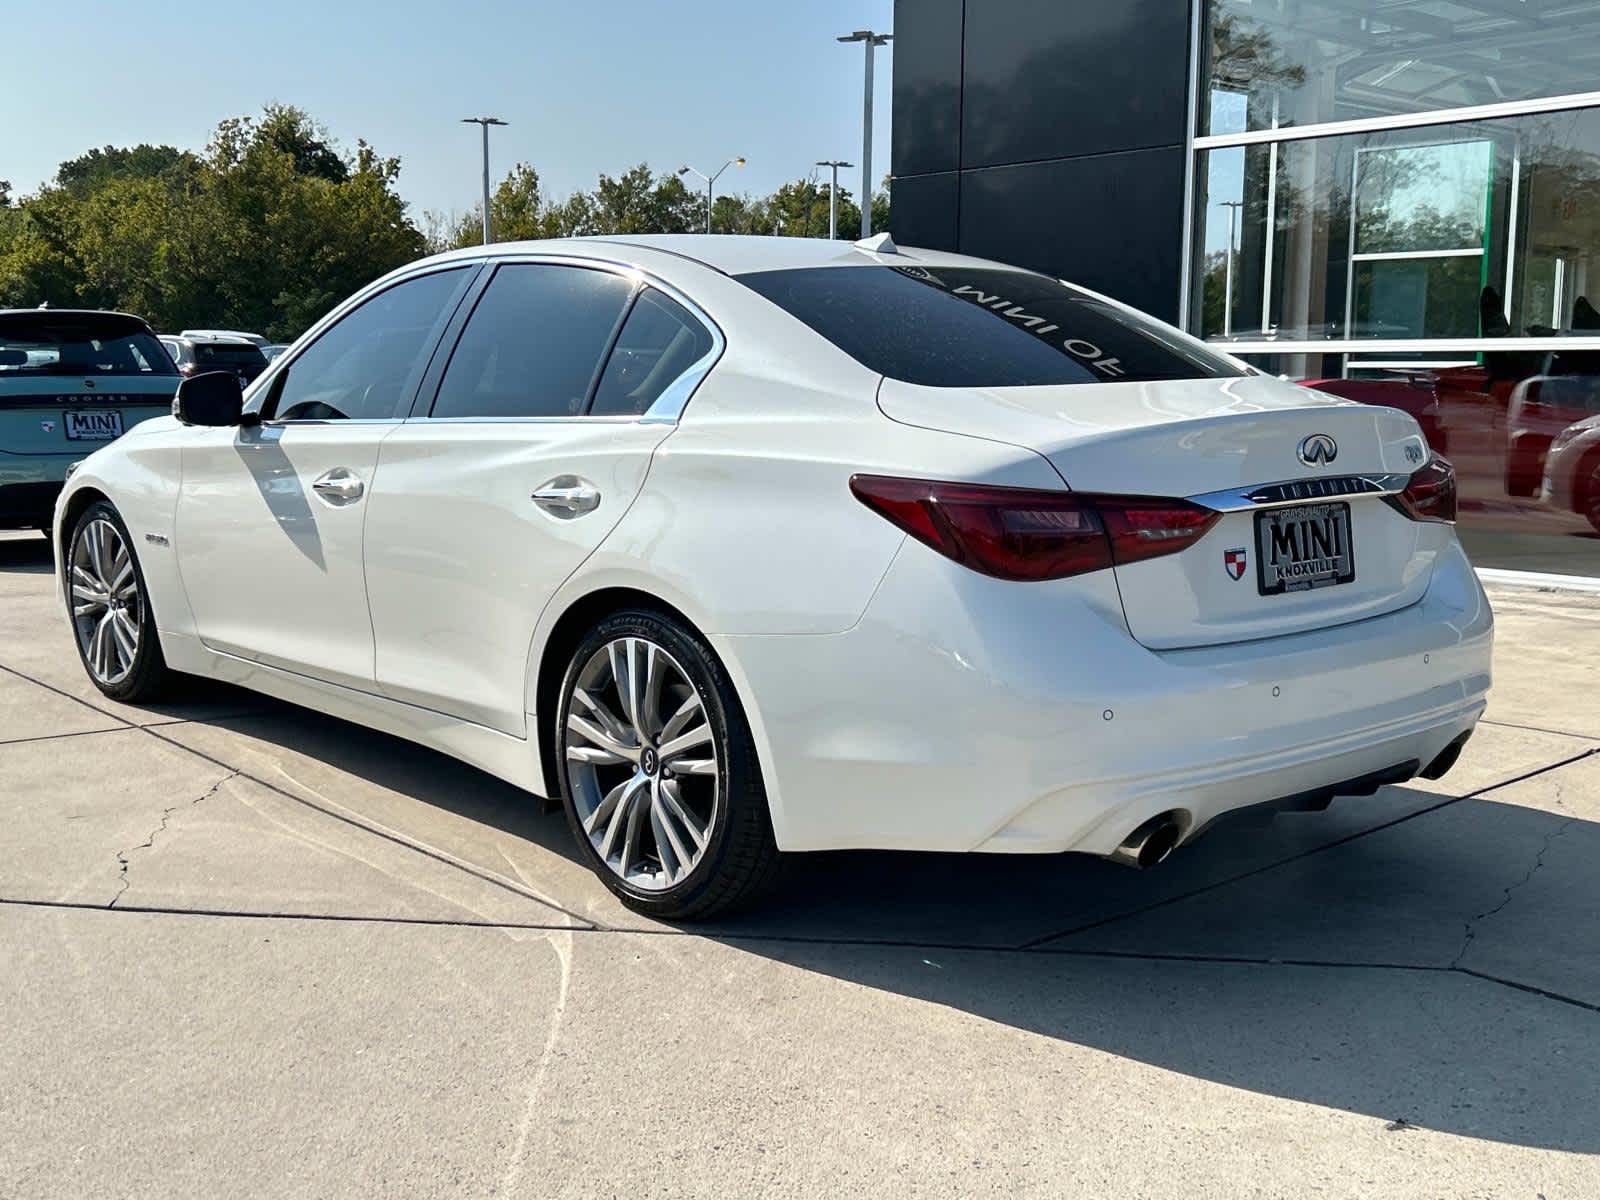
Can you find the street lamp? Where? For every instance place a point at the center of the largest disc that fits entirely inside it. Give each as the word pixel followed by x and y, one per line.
pixel 833 194
pixel 711 179
pixel 872 41
pixel 485 122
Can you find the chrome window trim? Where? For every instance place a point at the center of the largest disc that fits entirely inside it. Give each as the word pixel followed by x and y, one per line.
pixel 668 407
pixel 1247 499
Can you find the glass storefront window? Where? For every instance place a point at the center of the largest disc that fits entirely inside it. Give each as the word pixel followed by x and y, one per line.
pixel 1485 229
pixel 1273 63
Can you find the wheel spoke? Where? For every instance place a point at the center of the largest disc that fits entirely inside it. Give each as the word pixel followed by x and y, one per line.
pixel 602 714
pixel 617 818
pixel 670 853
pixel 622 673
pixel 122 638
pixel 672 802
pixel 122 569
pixel 698 736
pixel 650 692
pixel 679 720
pixel 695 766
pixel 621 751
pixel 630 840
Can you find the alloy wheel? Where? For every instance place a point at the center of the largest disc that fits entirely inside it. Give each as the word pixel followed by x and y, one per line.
pixel 107 608
pixel 642 763
pixel 1591 502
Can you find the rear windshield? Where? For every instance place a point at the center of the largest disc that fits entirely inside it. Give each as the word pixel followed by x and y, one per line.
pixel 42 347
pixel 233 353
pixel 981 328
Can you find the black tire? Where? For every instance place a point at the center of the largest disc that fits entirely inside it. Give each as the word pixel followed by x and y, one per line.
pixel 740 857
pixel 149 678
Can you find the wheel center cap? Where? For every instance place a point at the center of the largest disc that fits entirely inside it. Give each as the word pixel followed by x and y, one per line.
pixel 650 760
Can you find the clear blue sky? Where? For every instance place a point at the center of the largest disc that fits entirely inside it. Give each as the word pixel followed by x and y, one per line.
pixel 587 87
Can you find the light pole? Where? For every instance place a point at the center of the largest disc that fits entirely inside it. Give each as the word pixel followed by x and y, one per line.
pixel 485 122
pixel 872 41
pixel 833 194
pixel 1233 207
pixel 710 180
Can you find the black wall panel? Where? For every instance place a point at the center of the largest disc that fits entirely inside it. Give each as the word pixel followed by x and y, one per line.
pixel 1056 78
pixel 924 210
pixel 927 86
pixel 1113 222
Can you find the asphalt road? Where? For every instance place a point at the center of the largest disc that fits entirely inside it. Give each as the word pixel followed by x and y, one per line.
pixel 247 950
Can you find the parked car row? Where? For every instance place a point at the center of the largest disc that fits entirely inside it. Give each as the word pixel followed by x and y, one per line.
pixel 74 379
pixel 1520 427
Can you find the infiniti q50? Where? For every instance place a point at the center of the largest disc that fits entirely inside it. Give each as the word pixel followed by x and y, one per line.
pixel 742 546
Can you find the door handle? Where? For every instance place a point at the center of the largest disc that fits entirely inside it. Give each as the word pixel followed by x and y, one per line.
pixel 339 486
pixel 567 496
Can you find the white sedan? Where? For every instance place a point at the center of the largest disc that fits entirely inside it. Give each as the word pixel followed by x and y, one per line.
pixel 743 546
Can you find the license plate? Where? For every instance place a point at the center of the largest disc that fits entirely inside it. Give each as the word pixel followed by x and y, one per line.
pixel 1304 547
pixel 92 426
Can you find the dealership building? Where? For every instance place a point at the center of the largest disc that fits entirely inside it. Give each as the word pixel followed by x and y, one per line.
pixel 1396 200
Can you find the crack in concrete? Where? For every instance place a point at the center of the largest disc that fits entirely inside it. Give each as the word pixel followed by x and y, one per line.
pixel 150 841
pixel 1470 927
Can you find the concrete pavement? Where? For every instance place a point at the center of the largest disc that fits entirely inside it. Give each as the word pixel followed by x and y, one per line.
pixel 249 950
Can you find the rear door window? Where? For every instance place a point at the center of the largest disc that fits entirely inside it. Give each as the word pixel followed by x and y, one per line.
pixel 984 327
pixel 659 342
pixel 534 343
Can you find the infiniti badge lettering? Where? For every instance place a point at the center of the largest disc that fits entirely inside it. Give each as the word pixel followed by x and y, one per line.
pixel 1318 450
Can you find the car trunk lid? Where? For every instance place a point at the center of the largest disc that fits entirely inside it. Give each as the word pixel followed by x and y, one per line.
pixel 1235 445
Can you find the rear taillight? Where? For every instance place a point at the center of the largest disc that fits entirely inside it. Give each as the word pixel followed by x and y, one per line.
pixel 1029 535
pixel 1430 494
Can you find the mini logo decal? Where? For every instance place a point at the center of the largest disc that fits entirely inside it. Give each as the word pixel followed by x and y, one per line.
pixel 1318 450
pixel 1413 453
pixel 1233 562
pixel 48 426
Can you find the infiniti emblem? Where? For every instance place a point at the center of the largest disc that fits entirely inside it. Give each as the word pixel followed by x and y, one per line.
pixel 649 760
pixel 1318 450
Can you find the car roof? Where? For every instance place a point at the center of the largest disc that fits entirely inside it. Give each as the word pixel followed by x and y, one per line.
pixel 102 321
pixel 733 254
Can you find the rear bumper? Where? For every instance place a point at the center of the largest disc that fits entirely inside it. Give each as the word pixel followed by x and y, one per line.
pixel 963 713
pixel 28 503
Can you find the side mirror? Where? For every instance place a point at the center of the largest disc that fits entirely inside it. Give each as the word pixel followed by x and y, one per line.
pixel 214 398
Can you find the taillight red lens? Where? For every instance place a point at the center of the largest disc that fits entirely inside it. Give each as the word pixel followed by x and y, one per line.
pixel 1431 493
pixel 1029 535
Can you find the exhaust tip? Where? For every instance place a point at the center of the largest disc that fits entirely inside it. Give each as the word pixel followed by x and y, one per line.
pixel 1447 758
pixel 1151 842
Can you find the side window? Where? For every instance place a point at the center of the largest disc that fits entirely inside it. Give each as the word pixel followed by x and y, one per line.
pixel 365 366
pixel 660 341
pixel 534 343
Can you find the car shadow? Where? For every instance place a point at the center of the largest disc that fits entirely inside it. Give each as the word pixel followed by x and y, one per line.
pixel 26 553
pixel 1291 959
pixel 1409 970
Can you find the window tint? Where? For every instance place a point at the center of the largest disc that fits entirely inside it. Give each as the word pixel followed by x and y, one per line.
pixel 366 365
pixel 981 328
pixel 43 343
pixel 659 342
pixel 533 344
pixel 231 354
